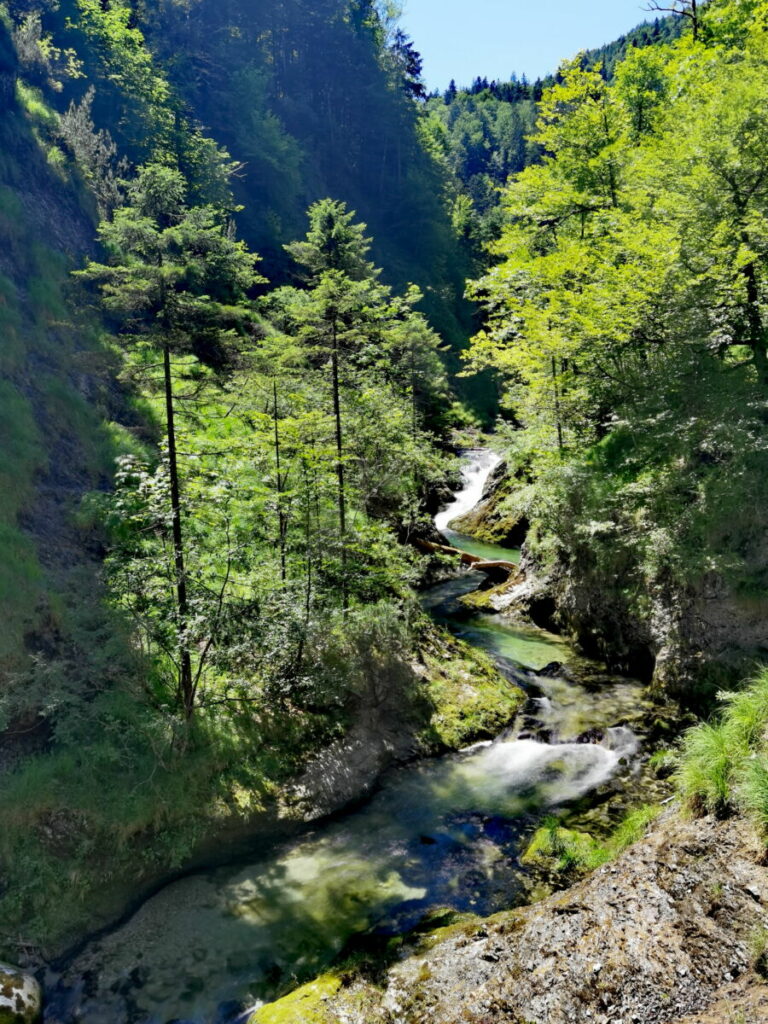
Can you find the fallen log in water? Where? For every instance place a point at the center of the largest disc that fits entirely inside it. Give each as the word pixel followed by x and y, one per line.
pixel 492 568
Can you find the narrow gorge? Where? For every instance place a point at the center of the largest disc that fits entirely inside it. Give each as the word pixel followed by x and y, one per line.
pixel 438 836
pixel 383 490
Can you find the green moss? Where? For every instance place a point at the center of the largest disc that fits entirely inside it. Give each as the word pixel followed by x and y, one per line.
pixel 567 850
pixel 495 521
pixel 306 1005
pixel 470 697
pixel 459 924
pixel 561 849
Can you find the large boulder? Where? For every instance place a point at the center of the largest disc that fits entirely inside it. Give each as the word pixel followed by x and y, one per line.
pixel 21 1000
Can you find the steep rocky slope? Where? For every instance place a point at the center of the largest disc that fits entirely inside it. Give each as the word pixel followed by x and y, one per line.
pixel 56 390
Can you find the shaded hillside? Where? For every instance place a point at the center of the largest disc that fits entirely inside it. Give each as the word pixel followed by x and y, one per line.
pixel 294 483
pixel 55 390
pixel 299 125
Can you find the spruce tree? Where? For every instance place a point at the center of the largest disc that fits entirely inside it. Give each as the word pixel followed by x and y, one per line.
pixel 174 281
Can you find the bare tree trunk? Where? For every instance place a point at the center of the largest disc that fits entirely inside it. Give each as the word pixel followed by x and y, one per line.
pixel 339 461
pixel 557 407
pixel 684 8
pixel 186 686
pixel 413 389
pixel 281 519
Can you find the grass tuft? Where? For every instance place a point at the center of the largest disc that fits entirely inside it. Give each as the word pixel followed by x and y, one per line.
pixel 724 764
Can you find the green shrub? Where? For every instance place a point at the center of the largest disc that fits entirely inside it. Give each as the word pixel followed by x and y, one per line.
pixel 705 773
pixel 723 764
pixel 753 791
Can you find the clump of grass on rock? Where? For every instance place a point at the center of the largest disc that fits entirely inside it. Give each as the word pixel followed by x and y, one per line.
pixel 724 764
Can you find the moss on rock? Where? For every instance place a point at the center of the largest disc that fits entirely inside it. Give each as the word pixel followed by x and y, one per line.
pixel 471 699
pixel 306 1005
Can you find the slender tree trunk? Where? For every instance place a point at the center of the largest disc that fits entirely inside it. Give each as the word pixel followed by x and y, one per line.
pixel 756 333
pixel 339 461
pixel 695 19
pixel 557 407
pixel 186 686
pixel 281 523
pixel 413 389
pixel 307 543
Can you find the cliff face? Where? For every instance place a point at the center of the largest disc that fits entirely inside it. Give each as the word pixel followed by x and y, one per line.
pixel 665 934
pixel 687 641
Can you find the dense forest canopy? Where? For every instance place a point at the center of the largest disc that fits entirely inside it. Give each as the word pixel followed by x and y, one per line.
pixel 484 133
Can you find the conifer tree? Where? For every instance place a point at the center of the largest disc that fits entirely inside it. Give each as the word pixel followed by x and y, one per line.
pixel 174 281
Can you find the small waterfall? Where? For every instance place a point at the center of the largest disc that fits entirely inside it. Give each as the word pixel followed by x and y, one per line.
pixel 479 464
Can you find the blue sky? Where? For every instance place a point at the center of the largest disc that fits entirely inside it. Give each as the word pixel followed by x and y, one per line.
pixel 464 38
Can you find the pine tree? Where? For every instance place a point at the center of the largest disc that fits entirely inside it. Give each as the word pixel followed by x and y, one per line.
pixel 174 281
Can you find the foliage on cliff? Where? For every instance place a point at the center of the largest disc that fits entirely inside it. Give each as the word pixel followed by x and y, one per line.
pixel 626 315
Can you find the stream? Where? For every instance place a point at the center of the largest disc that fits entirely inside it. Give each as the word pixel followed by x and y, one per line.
pixel 444 832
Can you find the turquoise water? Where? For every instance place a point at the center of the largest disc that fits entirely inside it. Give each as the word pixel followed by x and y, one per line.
pixel 490 552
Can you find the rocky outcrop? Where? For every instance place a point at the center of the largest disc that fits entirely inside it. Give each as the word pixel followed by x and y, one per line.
pixel 493 519
pixel 20 996
pixel 664 935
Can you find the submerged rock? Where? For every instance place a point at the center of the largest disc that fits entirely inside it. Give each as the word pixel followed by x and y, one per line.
pixel 21 1000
